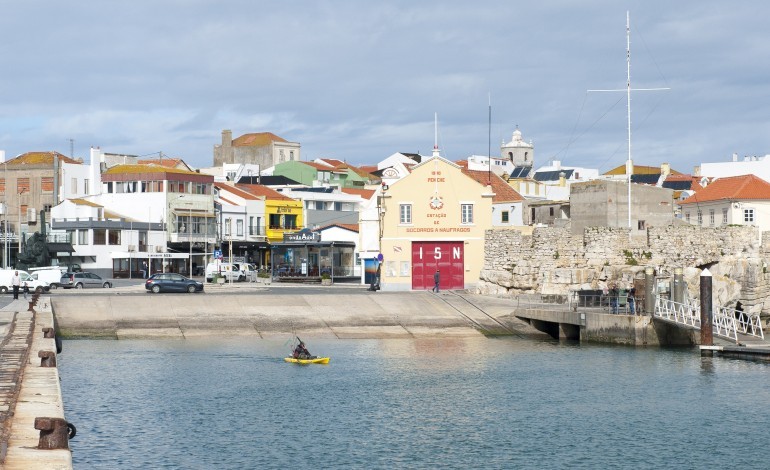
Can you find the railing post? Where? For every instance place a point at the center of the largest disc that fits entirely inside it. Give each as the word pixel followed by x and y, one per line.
pixel 677 290
pixel 706 333
pixel 649 291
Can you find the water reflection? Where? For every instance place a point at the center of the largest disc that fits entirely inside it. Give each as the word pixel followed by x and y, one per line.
pixel 414 403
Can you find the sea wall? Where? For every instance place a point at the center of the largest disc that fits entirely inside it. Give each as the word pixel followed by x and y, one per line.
pixel 553 260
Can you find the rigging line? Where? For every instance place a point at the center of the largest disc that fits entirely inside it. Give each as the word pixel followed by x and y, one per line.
pixel 591 126
pixel 574 128
pixel 665 80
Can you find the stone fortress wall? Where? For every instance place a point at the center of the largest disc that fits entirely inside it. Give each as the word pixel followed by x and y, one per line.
pixel 553 260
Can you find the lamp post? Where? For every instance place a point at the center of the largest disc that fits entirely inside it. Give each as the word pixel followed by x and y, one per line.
pixel 189 237
pixel 19 201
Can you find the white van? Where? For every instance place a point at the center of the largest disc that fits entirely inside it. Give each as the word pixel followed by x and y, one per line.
pixel 50 275
pixel 6 281
pixel 229 271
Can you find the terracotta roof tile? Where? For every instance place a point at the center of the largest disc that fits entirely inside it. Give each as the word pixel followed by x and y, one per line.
pixel 364 193
pixel 351 227
pixel 746 187
pixel 36 158
pixel 268 193
pixel 503 191
pixel 125 169
pixel 319 166
pixel 166 162
pixel 333 162
pixel 257 139
pixel 235 190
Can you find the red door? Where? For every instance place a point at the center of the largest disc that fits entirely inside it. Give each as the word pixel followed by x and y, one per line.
pixel 447 257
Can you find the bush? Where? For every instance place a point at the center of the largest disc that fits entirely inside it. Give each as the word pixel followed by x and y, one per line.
pixel 325 276
pixel 263 275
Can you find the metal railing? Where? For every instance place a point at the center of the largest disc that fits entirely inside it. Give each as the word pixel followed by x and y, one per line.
pixel 727 323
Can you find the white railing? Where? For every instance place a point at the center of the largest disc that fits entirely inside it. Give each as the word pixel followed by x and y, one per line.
pixel 727 322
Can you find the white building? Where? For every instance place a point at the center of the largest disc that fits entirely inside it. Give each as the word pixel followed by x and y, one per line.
pixel 750 165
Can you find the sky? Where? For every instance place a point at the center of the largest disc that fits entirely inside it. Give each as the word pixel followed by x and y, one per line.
pixel 359 81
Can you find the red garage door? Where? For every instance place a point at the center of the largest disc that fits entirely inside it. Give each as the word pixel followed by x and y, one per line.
pixel 447 257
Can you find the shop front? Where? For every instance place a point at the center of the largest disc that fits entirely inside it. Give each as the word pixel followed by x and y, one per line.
pixel 130 265
pixel 302 256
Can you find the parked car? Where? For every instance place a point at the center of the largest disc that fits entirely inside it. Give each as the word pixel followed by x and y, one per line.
pixel 172 282
pixel 81 280
pixel 6 284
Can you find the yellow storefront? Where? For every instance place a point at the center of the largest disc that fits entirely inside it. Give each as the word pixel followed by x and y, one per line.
pixel 434 219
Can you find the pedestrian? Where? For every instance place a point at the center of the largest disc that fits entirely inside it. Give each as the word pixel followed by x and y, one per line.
pixel 26 289
pixel 614 293
pixel 144 269
pixel 436 281
pixel 632 300
pixel 16 282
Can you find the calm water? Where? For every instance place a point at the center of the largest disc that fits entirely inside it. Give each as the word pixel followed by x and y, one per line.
pixel 423 403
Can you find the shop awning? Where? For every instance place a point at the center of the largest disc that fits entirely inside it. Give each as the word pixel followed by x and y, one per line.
pixel 60 248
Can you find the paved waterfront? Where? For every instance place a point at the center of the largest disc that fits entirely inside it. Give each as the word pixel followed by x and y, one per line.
pixel 340 311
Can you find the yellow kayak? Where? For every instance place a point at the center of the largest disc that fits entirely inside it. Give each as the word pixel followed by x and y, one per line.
pixel 318 360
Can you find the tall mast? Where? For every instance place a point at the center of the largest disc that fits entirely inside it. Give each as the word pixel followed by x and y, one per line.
pixel 630 163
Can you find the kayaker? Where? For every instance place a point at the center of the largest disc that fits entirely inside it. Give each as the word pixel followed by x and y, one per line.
pixel 301 352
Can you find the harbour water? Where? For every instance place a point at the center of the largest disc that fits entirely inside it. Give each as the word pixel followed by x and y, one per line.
pixel 410 403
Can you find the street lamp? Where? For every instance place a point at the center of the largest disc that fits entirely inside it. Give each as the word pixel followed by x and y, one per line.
pixel 19 201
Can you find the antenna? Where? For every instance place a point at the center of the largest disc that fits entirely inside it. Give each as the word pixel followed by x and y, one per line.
pixel 628 89
pixel 72 148
pixel 435 135
pixel 489 143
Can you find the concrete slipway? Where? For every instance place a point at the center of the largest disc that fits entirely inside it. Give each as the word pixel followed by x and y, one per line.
pixel 341 312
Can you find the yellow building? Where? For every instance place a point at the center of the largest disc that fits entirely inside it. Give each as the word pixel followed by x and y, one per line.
pixel 282 213
pixel 434 219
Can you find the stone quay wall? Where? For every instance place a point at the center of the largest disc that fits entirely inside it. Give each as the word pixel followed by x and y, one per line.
pixel 554 261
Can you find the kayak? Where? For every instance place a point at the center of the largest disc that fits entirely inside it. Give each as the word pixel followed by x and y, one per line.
pixel 317 360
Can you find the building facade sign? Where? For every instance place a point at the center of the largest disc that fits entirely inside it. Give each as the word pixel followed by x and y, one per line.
pixel 303 235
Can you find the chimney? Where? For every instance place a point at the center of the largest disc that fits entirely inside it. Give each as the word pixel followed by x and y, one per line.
pixel 562 179
pixel 665 169
pixel 557 164
pixel 735 157
pixel 227 138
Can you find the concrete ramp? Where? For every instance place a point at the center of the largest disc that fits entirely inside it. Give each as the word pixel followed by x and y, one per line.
pixel 259 314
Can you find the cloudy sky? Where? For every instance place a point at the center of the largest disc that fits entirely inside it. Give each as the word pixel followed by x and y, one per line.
pixel 359 81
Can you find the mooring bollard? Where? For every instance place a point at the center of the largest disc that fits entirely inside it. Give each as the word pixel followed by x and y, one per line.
pixel 55 433
pixel 706 329
pixel 47 358
pixel 49 332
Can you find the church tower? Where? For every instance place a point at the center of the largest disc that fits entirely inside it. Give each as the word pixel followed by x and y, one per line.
pixel 517 151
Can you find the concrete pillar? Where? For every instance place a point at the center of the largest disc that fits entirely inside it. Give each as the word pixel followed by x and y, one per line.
pixel 706 330
pixel 677 289
pixel 649 290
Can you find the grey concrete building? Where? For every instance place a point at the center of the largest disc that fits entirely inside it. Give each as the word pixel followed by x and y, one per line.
pixel 605 203
pixel 262 148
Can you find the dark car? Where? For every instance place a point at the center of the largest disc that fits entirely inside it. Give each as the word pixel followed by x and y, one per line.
pixel 81 280
pixel 171 282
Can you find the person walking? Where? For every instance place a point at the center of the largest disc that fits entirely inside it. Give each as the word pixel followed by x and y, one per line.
pixel 632 300
pixel 144 270
pixel 16 282
pixel 436 281
pixel 26 289
pixel 614 294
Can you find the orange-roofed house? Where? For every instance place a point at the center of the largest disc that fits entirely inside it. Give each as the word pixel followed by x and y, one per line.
pixel 283 214
pixel 507 204
pixel 242 218
pixel 735 200
pixel 260 148
pixel 30 183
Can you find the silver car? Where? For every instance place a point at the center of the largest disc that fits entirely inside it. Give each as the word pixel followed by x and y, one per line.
pixel 81 280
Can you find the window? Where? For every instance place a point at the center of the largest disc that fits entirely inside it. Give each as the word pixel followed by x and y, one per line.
pixel 280 155
pixel 2 185
pixel 405 214
pixel 46 184
pixel 700 218
pixel 724 216
pixel 291 154
pixel 337 206
pixel 550 211
pixel 100 236
pixel 71 236
pixel 640 224
pixel 748 216
pixel 22 184
pixel 466 212
pixel 712 218
pixel 687 217
pixel 228 222
pixel 290 221
pixel 504 217
pixel 239 227
pixel 319 205
pixel 82 237
pixel 85 186
pixel 113 237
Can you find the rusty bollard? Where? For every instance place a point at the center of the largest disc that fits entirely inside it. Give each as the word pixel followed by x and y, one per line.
pixel 55 433
pixel 49 332
pixel 47 358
